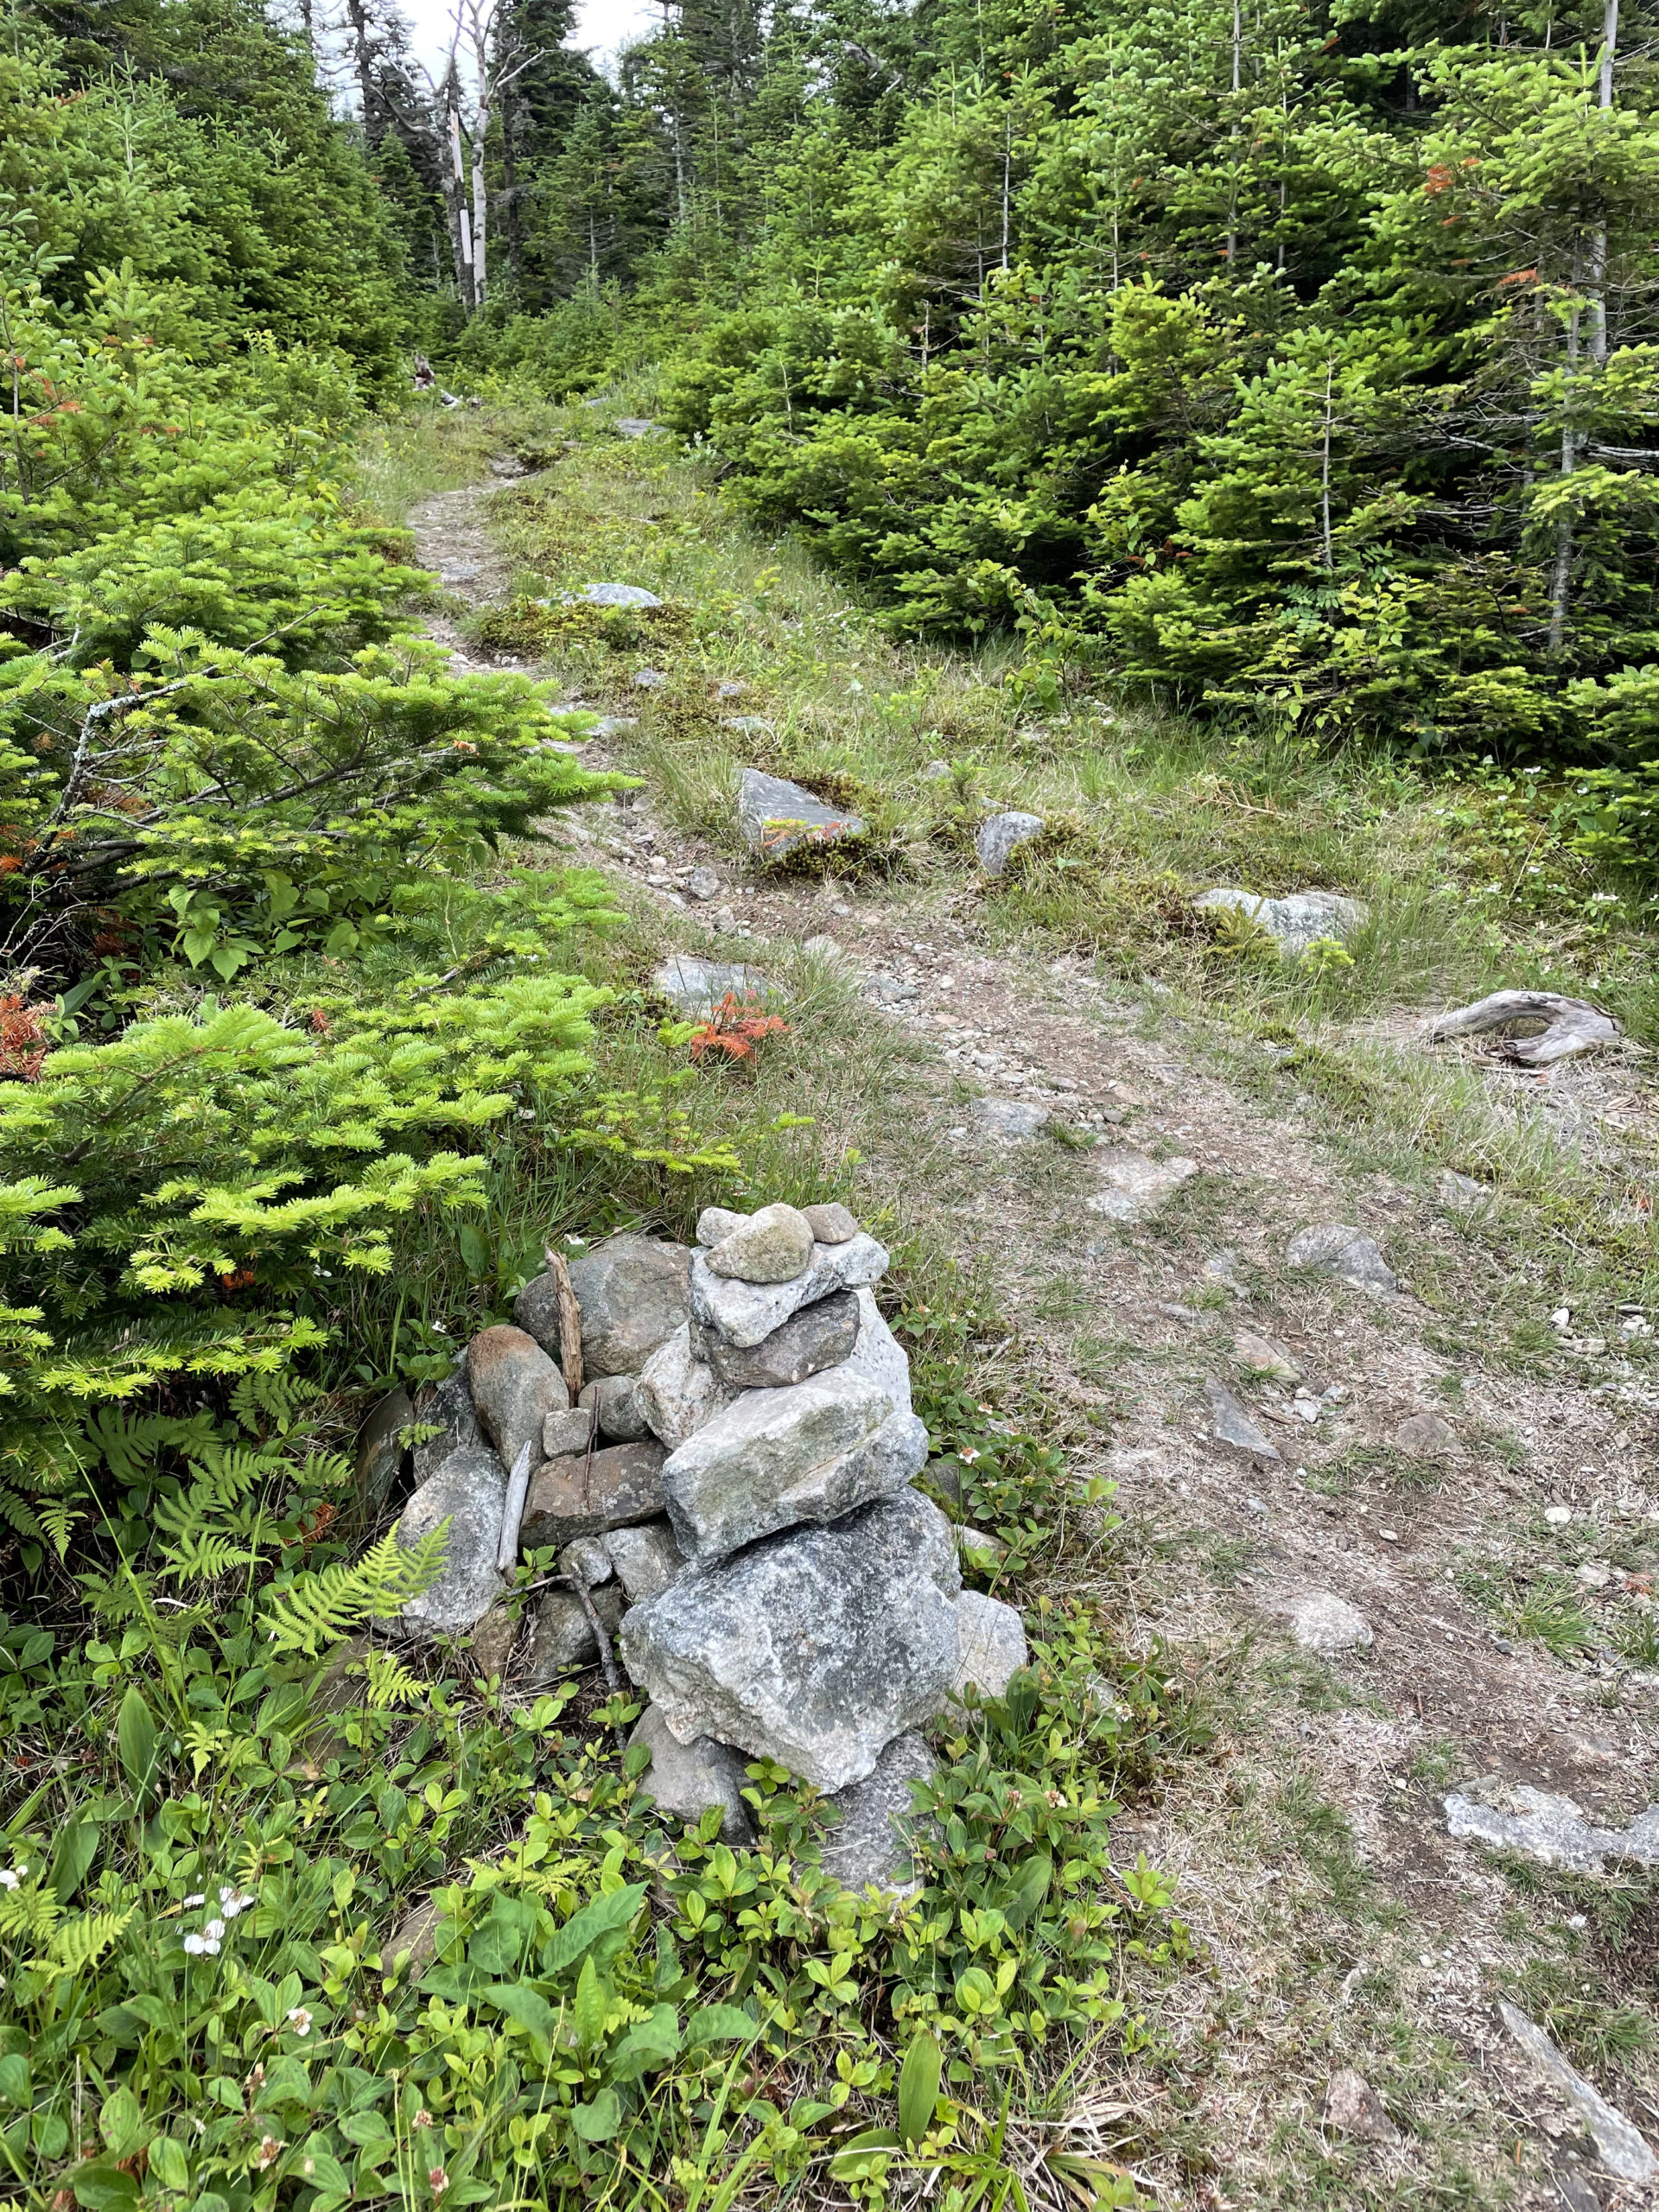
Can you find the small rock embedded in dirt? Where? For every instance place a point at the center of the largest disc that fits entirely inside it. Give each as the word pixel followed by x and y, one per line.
pixel 991 1646
pixel 744 1313
pixel 515 1385
pixel 579 1496
pixel 820 1336
pixel 996 840
pixel 1137 1187
pixel 868 1847
pixel 1557 1516
pixel 1232 1428
pixel 774 1245
pixel 776 817
pixel 748 725
pixel 1623 2150
pixel 830 1224
pixel 1461 1192
pixel 1570 1026
pixel 1338 1248
pixel 695 987
pixel 614 595
pixel 1296 921
pixel 935 771
pixel 887 990
pixel 563 1638
pixel 827 950
pixel 470 1493
pixel 1257 1356
pixel 1424 1436
pixel 688 1779
pixel 646 1558
pixel 648 679
pixel 1322 1622
pixel 1013 1120
pixel 635 426
pixel 815 1647
pixel 702 884
pixel 1552 1830
pixel 1352 2105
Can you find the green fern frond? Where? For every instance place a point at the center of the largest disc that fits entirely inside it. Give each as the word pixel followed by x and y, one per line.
pixel 17 1516
pixel 79 1943
pixel 321 1608
pixel 389 1682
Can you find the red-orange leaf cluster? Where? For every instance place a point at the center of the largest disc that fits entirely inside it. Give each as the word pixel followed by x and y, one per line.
pixel 735 1029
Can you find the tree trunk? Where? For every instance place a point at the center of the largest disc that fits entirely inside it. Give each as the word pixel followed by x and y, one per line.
pixel 480 202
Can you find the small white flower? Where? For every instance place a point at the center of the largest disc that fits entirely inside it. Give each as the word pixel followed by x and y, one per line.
pixel 213 1930
pixel 232 1901
pixel 300 2020
pixel 270 2151
pixel 8 1878
pixel 195 1899
pixel 202 1947
pixel 969 1454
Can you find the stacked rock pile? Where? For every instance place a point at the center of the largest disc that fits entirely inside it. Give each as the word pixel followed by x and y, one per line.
pixel 731 1496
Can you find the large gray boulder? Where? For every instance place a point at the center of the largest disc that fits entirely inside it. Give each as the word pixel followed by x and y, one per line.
pixel 688 1779
pixel 777 817
pixel 470 1493
pixel 1296 921
pixel 869 1846
pixel 633 1292
pixel 819 1335
pixel 810 1451
pixel 515 1386
pixel 815 1648
pixel 744 1313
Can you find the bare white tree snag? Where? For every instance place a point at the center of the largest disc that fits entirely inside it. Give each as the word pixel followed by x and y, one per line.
pixel 485 57
pixel 1570 1026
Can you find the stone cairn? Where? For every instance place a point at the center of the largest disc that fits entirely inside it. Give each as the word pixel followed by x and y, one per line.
pixel 732 1498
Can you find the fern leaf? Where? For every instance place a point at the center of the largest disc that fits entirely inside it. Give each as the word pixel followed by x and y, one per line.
pixel 79 1943
pixel 321 1608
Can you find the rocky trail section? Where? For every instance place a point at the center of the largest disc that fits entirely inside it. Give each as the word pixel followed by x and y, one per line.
pixel 1263 1342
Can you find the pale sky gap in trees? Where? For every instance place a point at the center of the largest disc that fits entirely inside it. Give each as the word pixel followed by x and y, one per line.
pixel 603 27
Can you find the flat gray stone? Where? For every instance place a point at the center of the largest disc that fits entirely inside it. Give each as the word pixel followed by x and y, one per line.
pixel 812 1451
pixel 745 1313
pixel 635 426
pixel 1135 1186
pixel 1296 921
pixel 562 1639
pixel 869 1846
pixel 777 817
pixel 470 1493
pixel 679 1393
pixel 1553 1830
pixel 830 1224
pixel 689 1779
pixel 564 1434
pixel 614 595
pixel 1352 2105
pixel 1623 2148
pixel 815 1648
pixel 997 839
pixel 1338 1248
pixel 380 1448
pixel 515 1385
pixel 821 1335
pixel 1322 1622
pixel 647 1559
pixel 588 1497
pixel 774 1245
pixel 1260 1356
pixel 695 987
pixel 621 1411
pixel 1425 1436
pixel 1461 1194
pixel 447 1408
pixel 702 884
pixel 1010 1120
pixel 1233 1429
pixel 632 1293
pixel 991 1645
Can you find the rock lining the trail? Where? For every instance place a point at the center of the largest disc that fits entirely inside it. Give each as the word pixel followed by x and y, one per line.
pixel 777 818
pixel 1552 1830
pixel 696 988
pixel 1338 1248
pixel 1137 1187
pixel 1623 2148
pixel 1298 921
pixel 998 839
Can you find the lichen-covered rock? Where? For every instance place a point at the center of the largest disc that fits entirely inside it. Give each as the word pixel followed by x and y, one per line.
pixel 819 1335
pixel 744 1313
pixel 563 1638
pixel 996 840
pixel 687 1779
pixel 646 1559
pixel 586 1495
pixel 716 1221
pixel 515 1386
pixel 621 1413
pixel 776 817
pixel 869 1846
pixel 1297 920
pixel 810 1451
pixel 447 1408
pixel 470 1493
pixel 564 1434
pixel 632 1291
pixel 815 1648
pixel 990 1644
pixel 695 987
pixel 678 1393
pixel 774 1245
pixel 830 1224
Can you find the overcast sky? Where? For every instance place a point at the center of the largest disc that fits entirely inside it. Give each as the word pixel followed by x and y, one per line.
pixel 602 26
